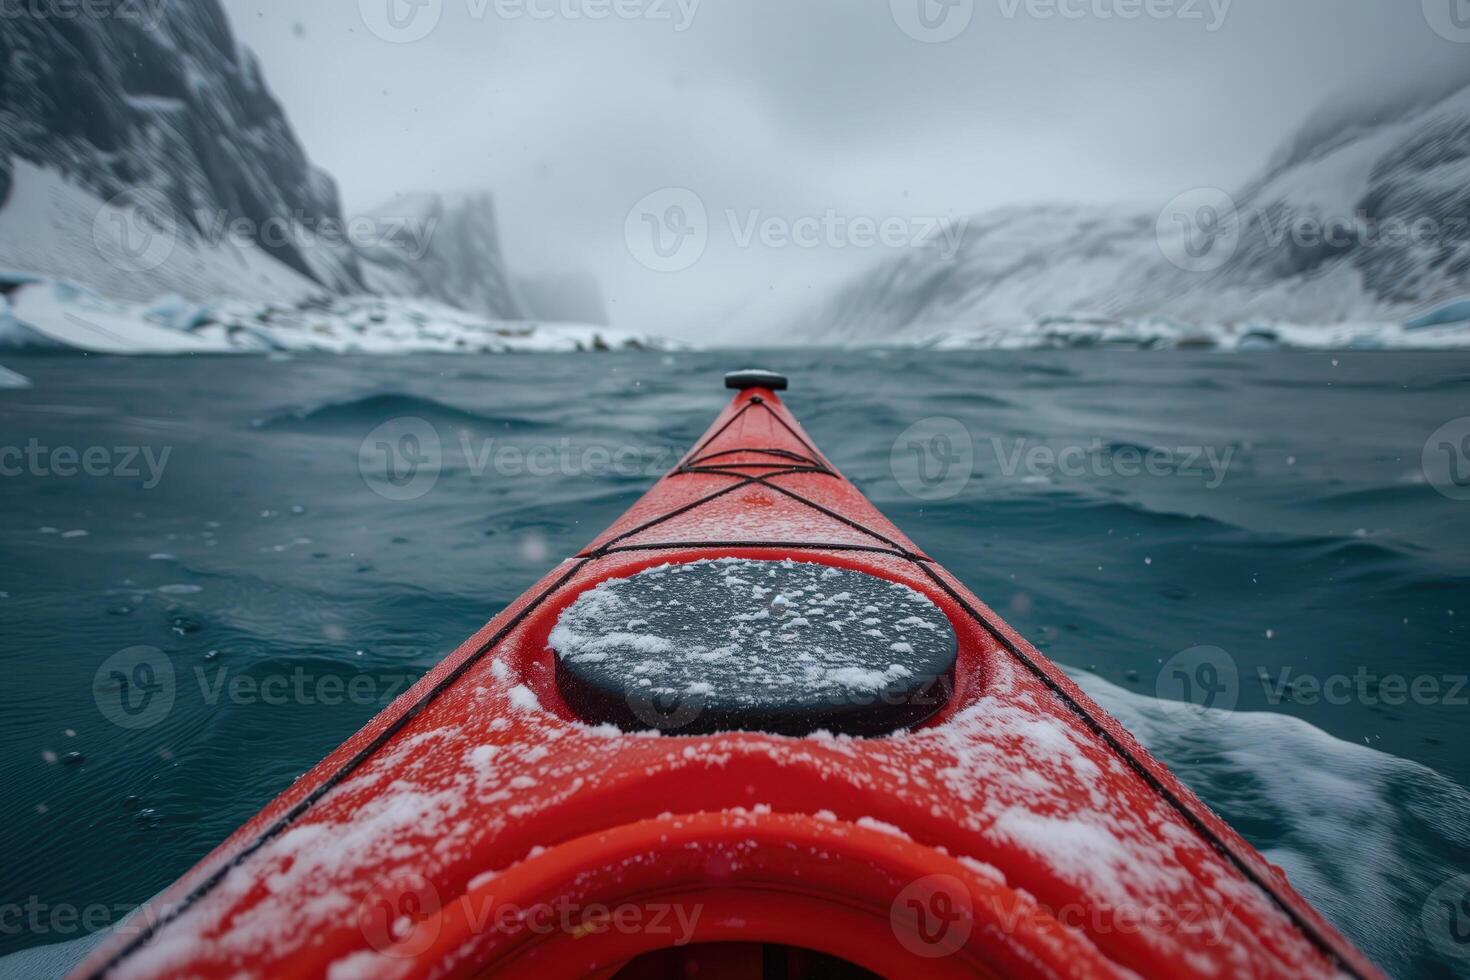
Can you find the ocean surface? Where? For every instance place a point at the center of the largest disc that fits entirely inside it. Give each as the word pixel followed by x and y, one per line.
pixel 1276 538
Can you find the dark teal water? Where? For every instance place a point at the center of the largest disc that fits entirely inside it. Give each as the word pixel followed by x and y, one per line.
pixel 294 597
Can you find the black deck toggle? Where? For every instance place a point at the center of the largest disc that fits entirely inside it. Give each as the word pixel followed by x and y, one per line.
pixel 756 378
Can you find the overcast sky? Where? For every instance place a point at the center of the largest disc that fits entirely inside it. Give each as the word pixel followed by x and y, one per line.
pixel 782 109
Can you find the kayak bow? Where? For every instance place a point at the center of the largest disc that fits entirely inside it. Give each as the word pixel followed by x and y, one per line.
pixel 751 723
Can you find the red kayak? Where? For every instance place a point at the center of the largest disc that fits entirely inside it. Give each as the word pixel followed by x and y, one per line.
pixel 751 730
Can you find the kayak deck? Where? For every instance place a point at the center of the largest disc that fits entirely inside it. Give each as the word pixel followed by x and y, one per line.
pixel 1018 831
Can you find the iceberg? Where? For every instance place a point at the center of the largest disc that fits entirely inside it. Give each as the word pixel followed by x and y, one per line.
pixel 1457 311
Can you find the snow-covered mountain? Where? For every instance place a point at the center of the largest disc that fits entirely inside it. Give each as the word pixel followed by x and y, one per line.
pixel 1361 222
pixel 154 199
pixel 444 247
pixel 143 153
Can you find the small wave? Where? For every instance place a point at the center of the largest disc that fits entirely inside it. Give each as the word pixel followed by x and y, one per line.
pixel 373 410
pixel 1350 550
pixel 1104 511
pixel 1050 370
pixel 1403 494
pixel 1451 383
pixel 1364 835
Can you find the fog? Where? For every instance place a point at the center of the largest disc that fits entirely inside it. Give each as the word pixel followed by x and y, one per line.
pixel 849 115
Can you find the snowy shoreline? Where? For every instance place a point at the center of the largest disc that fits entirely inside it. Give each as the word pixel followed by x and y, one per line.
pixel 39 314
pixel 1445 328
pixel 47 315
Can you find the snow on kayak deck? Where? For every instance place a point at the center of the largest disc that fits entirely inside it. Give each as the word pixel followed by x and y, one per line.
pixel 759 645
pixel 1012 785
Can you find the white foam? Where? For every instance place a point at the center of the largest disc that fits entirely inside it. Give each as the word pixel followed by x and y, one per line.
pixel 1364 835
